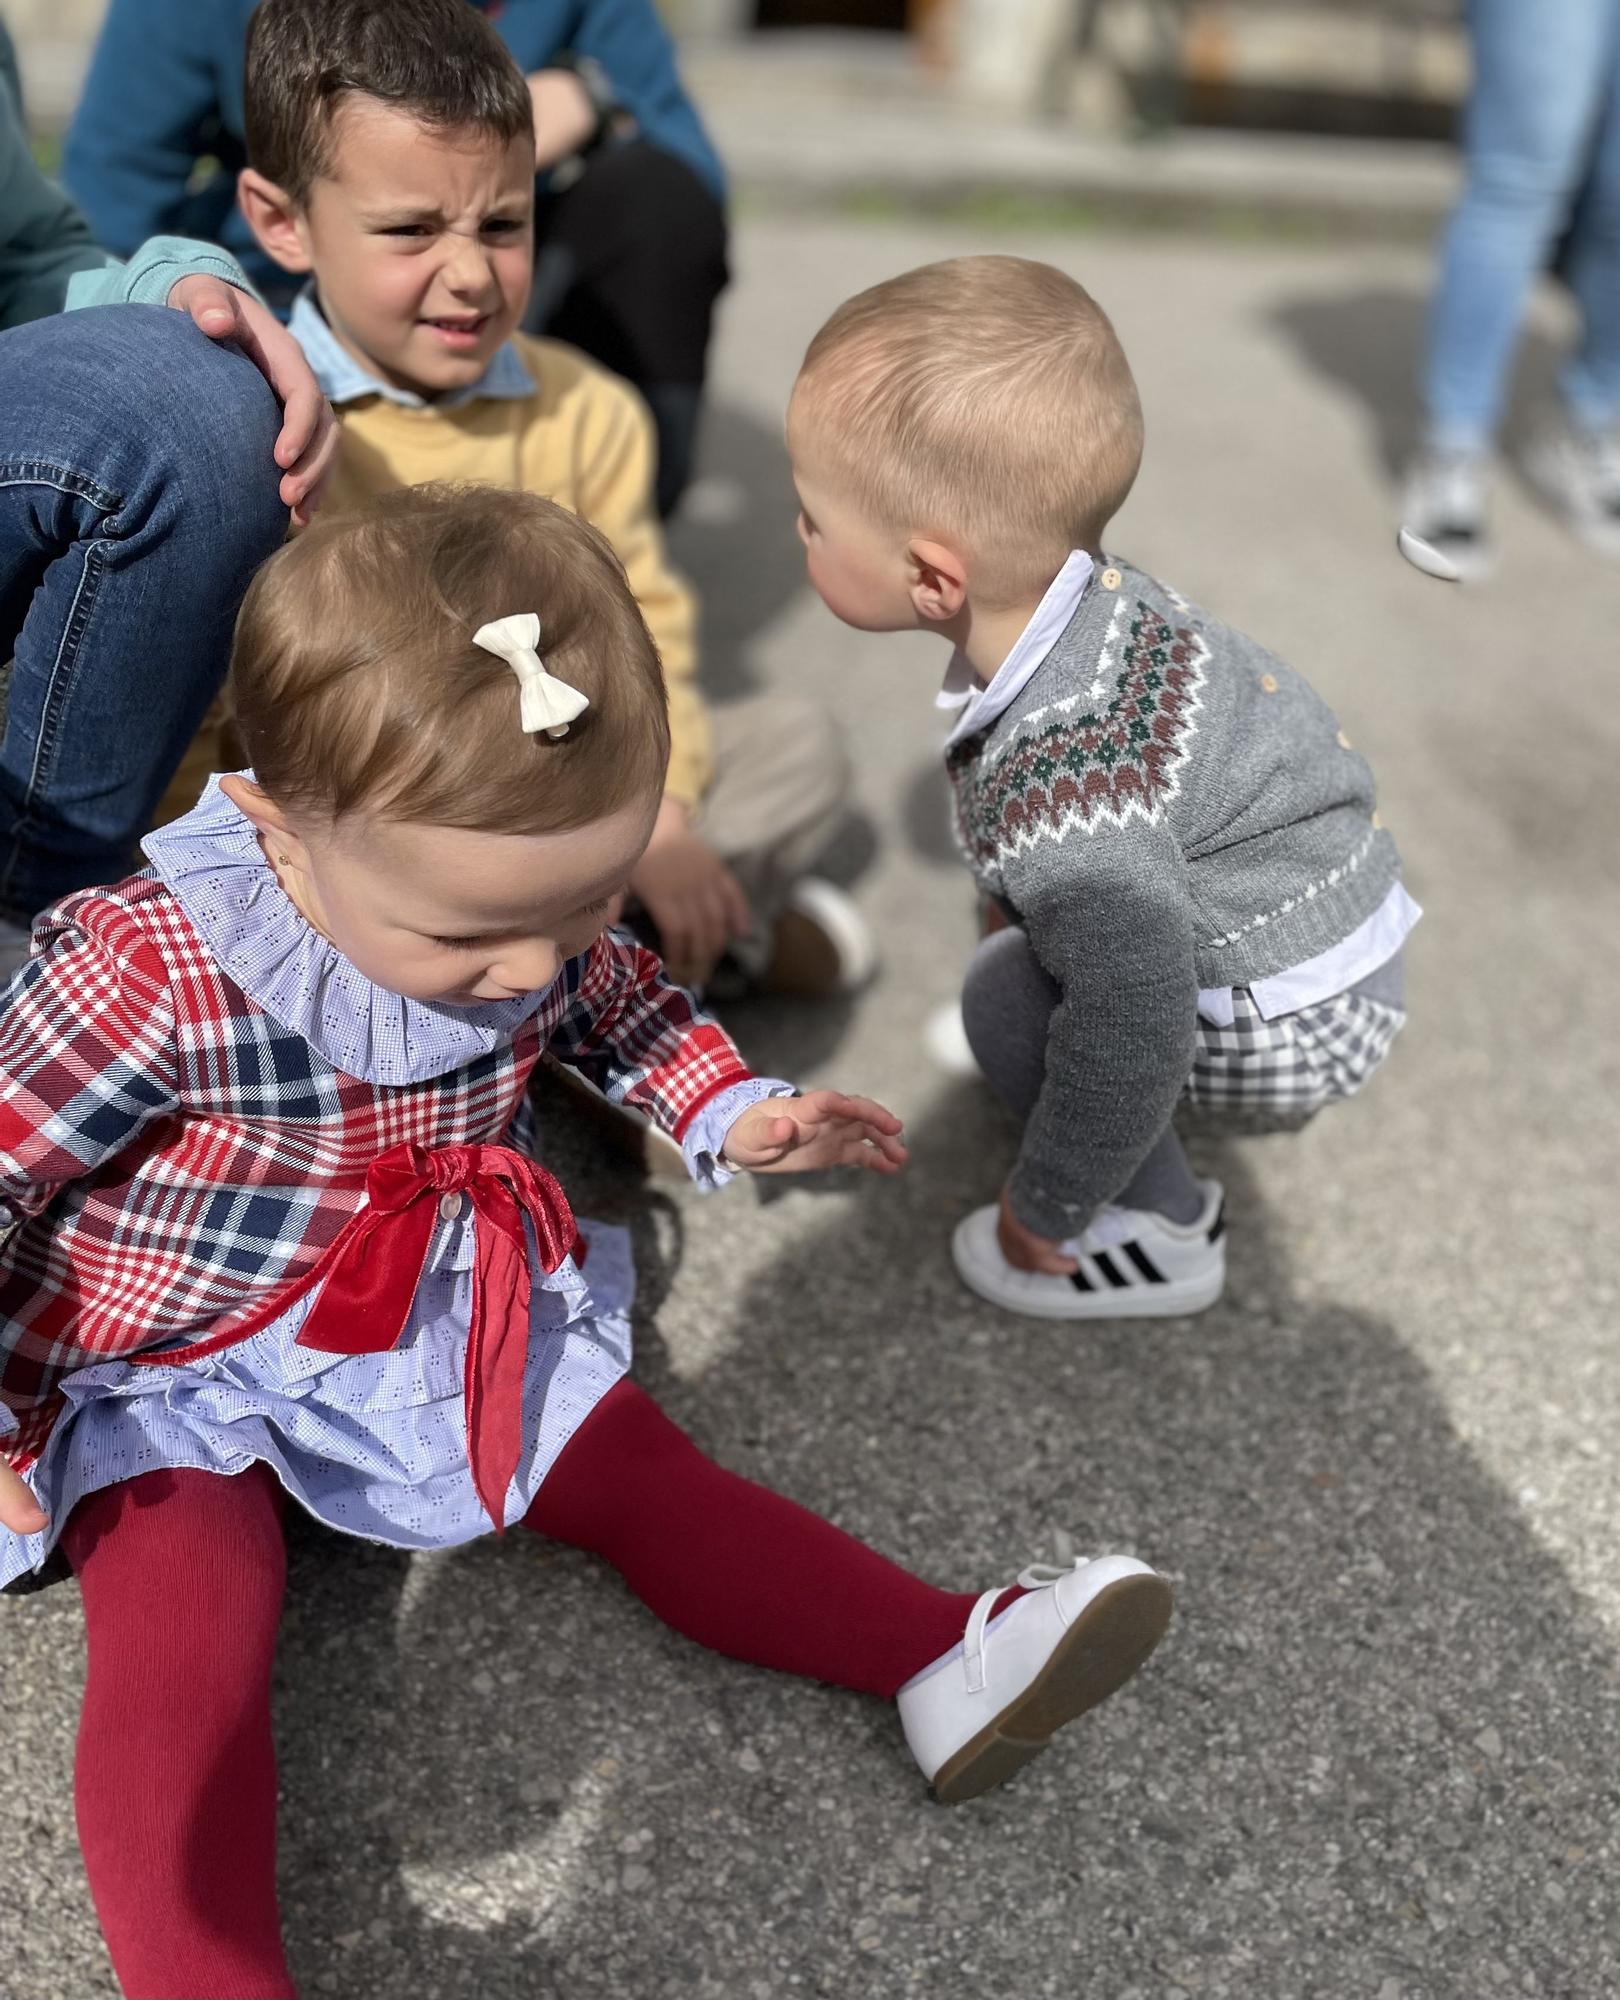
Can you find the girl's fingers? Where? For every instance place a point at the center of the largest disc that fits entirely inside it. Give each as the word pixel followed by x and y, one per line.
pixel 19 1510
pixel 861 1110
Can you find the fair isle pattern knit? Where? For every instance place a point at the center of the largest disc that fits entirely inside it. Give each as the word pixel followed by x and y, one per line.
pixel 1164 806
pixel 1082 763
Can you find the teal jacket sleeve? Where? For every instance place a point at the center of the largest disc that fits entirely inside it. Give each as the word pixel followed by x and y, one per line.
pixel 44 240
pixel 48 258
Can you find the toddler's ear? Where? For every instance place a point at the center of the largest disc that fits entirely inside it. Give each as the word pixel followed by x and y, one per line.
pixel 251 799
pixel 275 219
pixel 937 581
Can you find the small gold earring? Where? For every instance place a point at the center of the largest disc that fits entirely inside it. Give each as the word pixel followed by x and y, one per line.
pixel 285 860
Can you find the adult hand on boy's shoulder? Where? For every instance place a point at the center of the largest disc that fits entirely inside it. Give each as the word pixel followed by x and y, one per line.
pixel 19 1510
pixel 309 433
pixel 824 1128
pixel 693 898
pixel 1026 1251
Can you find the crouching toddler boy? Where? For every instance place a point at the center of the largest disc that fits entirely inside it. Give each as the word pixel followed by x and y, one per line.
pixel 1192 901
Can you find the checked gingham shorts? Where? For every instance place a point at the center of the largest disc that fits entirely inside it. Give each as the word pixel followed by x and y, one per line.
pixel 1274 1076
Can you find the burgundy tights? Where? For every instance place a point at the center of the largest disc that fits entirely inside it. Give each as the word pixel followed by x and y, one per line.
pixel 182 1574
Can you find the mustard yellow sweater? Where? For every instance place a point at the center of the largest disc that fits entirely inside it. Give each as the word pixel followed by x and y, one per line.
pixel 583 439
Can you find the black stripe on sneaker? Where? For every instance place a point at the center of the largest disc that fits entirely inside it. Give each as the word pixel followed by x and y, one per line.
pixel 1144 1263
pixel 1079 1280
pixel 1217 1229
pixel 1110 1270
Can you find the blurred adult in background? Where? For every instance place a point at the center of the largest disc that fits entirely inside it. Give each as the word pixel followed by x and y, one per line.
pixel 630 224
pixel 1542 152
pixel 144 474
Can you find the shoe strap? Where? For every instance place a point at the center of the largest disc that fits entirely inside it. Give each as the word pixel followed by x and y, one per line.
pixel 1038 1576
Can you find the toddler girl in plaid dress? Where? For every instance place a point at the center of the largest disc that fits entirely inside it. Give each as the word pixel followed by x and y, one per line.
pixel 269 1230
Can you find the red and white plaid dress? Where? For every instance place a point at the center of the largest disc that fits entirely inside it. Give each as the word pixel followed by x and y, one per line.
pixel 174 1160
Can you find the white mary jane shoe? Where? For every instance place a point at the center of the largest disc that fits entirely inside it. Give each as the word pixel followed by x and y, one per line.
pixel 981 1711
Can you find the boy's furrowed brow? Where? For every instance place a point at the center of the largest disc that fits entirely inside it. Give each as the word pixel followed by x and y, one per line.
pixel 397 218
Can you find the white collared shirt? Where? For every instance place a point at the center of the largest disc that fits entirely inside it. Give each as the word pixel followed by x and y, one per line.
pixel 1369 945
pixel 980 706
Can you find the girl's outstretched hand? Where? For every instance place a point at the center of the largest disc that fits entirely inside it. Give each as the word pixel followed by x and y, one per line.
pixel 19 1510
pixel 824 1128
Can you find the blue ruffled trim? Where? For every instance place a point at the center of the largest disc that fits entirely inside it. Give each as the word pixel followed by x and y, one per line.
pixel 212 861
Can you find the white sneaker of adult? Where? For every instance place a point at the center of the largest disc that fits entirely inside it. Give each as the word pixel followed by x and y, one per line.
pixel 1443 506
pixel 1131 1264
pixel 1580 475
pixel 981 1711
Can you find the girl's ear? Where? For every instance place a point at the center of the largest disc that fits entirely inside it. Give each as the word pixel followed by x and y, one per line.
pixel 253 800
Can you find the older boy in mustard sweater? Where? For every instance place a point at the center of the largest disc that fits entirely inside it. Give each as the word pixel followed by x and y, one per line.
pixel 393 159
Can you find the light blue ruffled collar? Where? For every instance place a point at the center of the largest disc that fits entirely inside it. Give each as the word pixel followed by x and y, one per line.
pixel 212 861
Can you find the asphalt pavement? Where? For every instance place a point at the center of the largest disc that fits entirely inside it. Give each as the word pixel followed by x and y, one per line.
pixel 1377 1757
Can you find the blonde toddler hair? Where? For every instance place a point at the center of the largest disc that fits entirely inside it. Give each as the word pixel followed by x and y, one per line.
pixel 986 400
pixel 358 688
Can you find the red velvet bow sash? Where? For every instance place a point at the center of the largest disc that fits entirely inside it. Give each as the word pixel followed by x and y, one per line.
pixel 373 1269
pixel 369 1274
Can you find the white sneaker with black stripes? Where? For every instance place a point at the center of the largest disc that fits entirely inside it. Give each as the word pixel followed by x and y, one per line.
pixel 1130 1264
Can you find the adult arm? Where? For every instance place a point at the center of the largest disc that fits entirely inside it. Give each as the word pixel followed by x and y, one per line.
pixel 631 43
pixel 49 258
pixel 46 246
pixel 149 104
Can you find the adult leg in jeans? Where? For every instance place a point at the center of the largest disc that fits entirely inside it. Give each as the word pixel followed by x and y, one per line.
pixel 1541 76
pixel 1007 1003
pixel 628 264
pixel 138 493
pixel 1591 378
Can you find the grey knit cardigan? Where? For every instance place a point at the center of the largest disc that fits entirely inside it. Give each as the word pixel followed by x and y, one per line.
pixel 1164 807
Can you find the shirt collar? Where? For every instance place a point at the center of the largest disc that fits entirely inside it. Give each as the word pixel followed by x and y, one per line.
pixel 980 706
pixel 344 380
pixel 212 862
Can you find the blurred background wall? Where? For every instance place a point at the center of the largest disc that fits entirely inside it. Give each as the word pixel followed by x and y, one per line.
pixel 1391 68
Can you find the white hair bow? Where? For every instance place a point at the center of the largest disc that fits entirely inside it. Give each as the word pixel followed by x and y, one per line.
pixel 545 702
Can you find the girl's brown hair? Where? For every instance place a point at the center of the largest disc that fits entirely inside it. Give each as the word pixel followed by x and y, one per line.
pixel 357 685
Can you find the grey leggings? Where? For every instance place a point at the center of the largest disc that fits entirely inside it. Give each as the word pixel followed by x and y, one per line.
pixel 1007 1003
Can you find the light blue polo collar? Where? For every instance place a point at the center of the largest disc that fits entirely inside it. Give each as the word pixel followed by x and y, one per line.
pixel 345 380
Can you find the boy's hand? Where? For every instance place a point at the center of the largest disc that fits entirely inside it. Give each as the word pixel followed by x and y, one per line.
pixel 19 1510
pixel 309 432
pixel 690 894
pixel 824 1128
pixel 1026 1251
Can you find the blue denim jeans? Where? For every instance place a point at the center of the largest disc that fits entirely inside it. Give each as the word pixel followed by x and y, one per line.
pixel 1542 147
pixel 137 496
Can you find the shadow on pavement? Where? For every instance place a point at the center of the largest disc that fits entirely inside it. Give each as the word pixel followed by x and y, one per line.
pixel 1369 344
pixel 1377 1755
pixel 746 487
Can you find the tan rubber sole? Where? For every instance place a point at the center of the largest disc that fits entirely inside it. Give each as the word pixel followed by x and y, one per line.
pixel 1097 1655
